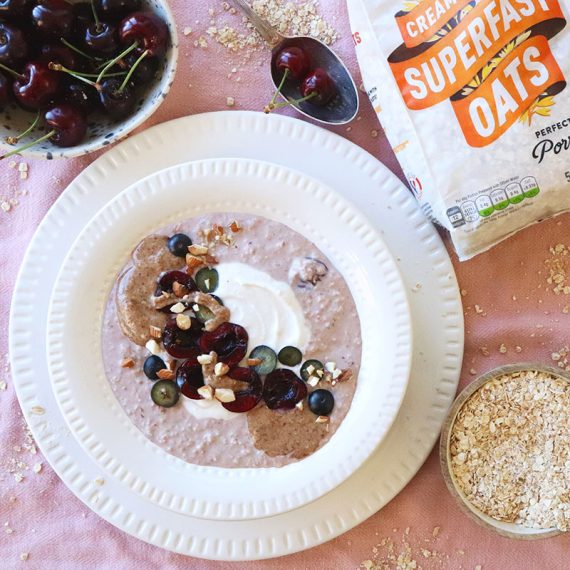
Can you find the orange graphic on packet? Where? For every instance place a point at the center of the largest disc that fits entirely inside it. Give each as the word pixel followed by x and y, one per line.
pixel 493 60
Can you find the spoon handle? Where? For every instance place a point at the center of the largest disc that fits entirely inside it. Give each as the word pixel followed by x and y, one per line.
pixel 267 31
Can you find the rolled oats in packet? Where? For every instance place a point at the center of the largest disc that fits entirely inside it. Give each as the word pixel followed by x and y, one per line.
pixel 473 98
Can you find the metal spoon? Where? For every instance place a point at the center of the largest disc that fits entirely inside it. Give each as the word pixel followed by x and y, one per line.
pixel 344 107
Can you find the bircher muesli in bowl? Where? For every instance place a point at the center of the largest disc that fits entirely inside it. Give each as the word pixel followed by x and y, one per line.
pixel 248 339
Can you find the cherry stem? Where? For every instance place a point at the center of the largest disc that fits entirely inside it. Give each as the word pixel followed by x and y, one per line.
pixel 294 102
pixel 12 72
pixel 285 74
pixel 14 140
pixel 131 71
pixel 95 17
pixel 58 67
pixel 29 145
pixel 77 50
pixel 115 60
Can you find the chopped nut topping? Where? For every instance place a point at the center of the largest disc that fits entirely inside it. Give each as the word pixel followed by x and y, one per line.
pixel 310 369
pixel 322 420
pixel 127 363
pixel 299 405
pixel 183 322
pixel 37 467
pixel 178 308
pixel 155 332
pixel 254 361
pixel 221 369
pixel 207 392
pixel 179 290
pixel 234 226
pixel 313 381
pixel 193 261
pixel 153 347
pixel 205 358
pixel 165 374
pixel 224 395
pixel 330 367
pixel 198 249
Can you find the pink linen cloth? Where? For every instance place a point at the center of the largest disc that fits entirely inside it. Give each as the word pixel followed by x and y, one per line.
pixel 506 301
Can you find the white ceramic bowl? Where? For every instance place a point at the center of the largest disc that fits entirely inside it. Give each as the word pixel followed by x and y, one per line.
pixel 510 530
pixel 101 130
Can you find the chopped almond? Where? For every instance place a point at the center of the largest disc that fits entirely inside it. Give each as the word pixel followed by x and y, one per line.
pixel 254 361
pixel 179 290
pixel 183 322
pixel 205 359
pixel 193 261
pixel 207 392
pixel 234 226
pixel 127 363
pixel 197 249
pixel 165 374
pixel 218 229
pixel 221 369
pixel 178 308
pixel 322 420
pixel 224 395
pixel 155 332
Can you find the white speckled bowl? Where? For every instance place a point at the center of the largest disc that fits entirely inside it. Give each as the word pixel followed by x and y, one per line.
pixel 101 130
pixel 510 530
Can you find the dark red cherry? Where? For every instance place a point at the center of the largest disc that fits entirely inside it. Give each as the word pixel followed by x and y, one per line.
pixel 167 279
pixel 69 124
pixel 81 95
pixel 15 9
pixel 283 389
pixel 54 18
pixel 189 376
pixel 295 60
pixel 117 7
pixel 228 341
pixel 13 45
pixel 179 343
pixel 38 85
pixel 4 90
pixel 321 84
pixel 248 398
pixel 117 103
pixel 146 28
pixel 102 38
pixel 58 53
pixel 145 71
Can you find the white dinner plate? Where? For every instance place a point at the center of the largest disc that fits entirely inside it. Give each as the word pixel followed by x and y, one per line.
pixel 86 399
pixel 428 277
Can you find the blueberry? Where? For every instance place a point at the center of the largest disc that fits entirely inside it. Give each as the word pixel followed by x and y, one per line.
pixel 321 402
pixel 152 365
pixel 178 244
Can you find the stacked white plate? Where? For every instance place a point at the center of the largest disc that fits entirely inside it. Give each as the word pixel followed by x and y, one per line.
pixel 399 274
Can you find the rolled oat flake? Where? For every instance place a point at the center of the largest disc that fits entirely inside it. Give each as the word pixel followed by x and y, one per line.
pixel 473 98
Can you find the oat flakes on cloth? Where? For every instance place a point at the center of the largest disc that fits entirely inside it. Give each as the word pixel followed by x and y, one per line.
pixel 473 98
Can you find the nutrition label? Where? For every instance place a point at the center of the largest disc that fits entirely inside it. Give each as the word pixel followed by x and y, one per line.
pixel 496 200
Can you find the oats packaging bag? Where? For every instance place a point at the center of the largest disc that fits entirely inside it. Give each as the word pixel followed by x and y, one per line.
pixel 473 98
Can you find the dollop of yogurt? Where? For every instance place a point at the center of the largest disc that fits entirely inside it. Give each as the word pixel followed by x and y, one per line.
pixel 268 310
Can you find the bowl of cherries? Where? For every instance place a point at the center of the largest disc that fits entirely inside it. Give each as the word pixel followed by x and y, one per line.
pixel 78 75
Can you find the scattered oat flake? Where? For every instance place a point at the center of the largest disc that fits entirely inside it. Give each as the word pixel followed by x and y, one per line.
pixel 37 410
pixel 230 101
pixel 187 31
pixel 37 467
pixel 99 481
pixel 24 556
pixel 5 206
pixel 3 386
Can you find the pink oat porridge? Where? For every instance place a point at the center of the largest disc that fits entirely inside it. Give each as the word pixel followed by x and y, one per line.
pixel 230 340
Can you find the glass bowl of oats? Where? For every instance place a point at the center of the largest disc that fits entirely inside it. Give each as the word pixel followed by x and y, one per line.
pixel 505 451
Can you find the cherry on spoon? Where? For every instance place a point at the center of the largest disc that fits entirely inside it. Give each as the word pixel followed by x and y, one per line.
pixel 344 107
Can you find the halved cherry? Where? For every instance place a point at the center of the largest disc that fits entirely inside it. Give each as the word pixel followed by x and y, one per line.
pixel 283 389
pixel 179 343
pixel 189 376
pixel 166 281
pixel 228 341
pixel 245 399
